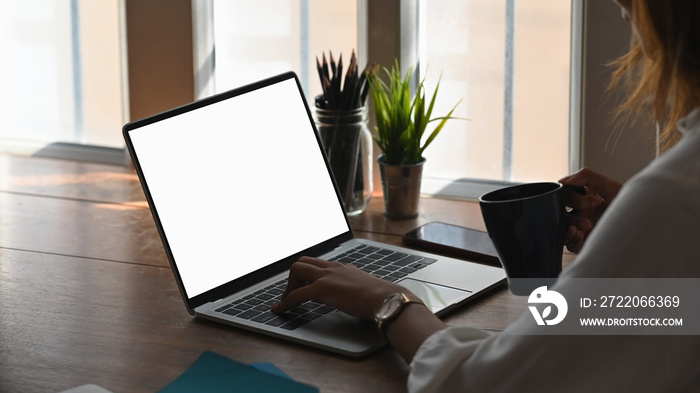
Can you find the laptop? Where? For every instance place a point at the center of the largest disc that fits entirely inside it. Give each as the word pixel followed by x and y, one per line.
pixel 240 188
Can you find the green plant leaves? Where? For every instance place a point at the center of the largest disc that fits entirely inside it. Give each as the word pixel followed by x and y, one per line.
pixel 401 119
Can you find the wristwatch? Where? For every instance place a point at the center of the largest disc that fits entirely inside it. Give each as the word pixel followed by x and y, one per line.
pixel 391 307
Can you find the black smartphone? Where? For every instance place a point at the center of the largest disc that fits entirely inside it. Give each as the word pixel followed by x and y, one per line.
pixel 454 241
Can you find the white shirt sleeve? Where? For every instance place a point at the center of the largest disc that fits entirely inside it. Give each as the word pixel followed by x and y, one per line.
pixel 439 360
pixel 652 229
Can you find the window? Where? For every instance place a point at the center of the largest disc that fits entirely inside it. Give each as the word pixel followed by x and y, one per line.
pixel 61 75
pixel 509 61
pixel 256 39
pixel 65 64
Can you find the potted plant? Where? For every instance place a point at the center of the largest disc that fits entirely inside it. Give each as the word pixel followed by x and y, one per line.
pixel 402 120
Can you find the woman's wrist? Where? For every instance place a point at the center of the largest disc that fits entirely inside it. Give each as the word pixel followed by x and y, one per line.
pixel 410 328
pixel 392 306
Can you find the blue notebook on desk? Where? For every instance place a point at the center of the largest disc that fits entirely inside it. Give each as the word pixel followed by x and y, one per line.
pixel 213 373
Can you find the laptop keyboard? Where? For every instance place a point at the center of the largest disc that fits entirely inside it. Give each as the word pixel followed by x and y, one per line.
pixel 383 263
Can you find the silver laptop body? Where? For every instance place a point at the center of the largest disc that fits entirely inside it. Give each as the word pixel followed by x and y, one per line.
pixel 239 188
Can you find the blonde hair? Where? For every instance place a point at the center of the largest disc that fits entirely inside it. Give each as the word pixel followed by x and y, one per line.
pixel 662 69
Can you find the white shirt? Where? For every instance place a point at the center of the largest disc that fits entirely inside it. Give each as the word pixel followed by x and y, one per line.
pixel 652 229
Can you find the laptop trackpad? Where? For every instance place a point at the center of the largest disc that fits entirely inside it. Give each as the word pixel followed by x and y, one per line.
pixel 436 297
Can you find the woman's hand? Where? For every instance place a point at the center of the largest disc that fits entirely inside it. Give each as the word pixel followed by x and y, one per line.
pixel 344 287
pixel 601 191
pixel 357 293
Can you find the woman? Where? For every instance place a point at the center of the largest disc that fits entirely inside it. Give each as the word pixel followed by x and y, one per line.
pixel 649 230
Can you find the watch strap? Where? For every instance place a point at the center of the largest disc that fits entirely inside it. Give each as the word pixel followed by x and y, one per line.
pixel 405 300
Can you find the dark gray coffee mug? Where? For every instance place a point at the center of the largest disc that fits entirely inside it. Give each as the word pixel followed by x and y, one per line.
pixel 526 224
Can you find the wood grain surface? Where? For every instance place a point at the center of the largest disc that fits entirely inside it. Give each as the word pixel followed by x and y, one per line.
pixel 87 294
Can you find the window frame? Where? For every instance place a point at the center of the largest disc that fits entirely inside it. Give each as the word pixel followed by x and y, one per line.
pixel 463 188
pixel 590 127
pixel 394 23
pixel 405 32
pixel 617 151
pixel 77 151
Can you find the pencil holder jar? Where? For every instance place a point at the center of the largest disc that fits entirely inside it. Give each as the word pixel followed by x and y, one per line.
pixel 347 141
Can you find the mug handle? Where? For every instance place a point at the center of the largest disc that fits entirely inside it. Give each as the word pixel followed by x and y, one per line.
pixel 570 187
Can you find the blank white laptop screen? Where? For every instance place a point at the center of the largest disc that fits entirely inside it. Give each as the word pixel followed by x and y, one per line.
pixel 238 184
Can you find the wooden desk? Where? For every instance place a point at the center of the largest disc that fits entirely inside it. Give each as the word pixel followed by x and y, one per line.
pixel 88 297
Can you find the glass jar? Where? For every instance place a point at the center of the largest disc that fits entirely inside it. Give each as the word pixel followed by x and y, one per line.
pixel 347 142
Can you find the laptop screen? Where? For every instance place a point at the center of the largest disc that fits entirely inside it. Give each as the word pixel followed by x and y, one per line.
pixel 238 183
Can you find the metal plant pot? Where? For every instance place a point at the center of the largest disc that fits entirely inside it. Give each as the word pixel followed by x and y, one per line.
pixel 401 186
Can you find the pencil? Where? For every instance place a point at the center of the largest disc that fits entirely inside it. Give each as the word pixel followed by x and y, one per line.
pixel 333 67
pixel 325 67
pixel 343 92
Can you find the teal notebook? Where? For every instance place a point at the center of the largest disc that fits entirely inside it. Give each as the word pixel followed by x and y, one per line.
pixel 216 373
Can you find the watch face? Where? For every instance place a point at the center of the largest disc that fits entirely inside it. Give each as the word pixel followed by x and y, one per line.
pixel 389 307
